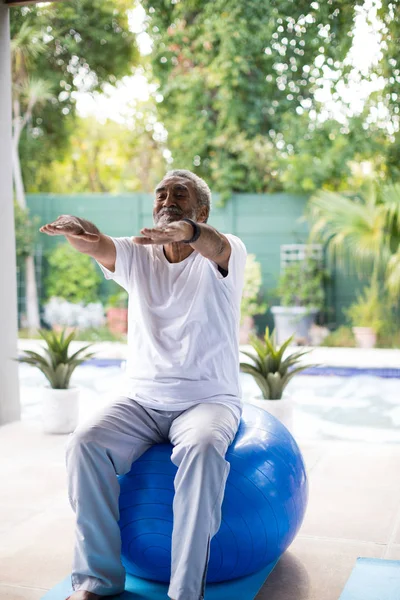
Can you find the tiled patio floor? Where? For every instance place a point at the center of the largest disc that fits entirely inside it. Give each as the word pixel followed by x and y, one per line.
pixel 354 510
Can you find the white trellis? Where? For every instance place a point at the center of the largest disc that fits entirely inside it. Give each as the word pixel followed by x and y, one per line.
pixel 291 253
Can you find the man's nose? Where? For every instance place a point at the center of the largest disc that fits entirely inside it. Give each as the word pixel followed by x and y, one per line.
pixel 169 200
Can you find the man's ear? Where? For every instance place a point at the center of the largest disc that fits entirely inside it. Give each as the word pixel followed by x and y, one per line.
pixel 202 215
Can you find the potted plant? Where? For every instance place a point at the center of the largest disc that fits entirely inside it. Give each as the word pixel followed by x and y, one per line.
pixel 272 373
pixel 117 312
pixel 249 302
pixel 60 408
pixel 301 291
pixel 367 315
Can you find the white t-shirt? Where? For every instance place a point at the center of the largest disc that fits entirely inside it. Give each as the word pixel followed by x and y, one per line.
pixel 183 326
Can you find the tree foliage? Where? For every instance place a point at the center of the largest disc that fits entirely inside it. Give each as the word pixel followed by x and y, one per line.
pixel 235 75
pixel 328 156
pixel 72 275
pixel 238 83
pixel 87 43
pixel 389 69
pixel 106 157
pixel 25 232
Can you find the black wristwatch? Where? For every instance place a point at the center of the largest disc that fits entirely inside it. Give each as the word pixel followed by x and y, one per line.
pixel 196 231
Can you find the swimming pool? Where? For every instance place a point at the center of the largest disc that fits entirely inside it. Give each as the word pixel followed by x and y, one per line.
pixel 331 403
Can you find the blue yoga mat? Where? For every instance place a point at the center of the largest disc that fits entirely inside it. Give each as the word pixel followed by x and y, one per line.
pixel 245 588
pixel 373 579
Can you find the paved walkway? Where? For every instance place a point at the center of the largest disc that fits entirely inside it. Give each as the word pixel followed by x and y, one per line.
pixel 354 510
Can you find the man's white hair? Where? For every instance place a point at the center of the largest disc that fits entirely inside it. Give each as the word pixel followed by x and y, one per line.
pixel 203 192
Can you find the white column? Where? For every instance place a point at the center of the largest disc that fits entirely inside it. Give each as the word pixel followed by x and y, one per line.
pixel 10 409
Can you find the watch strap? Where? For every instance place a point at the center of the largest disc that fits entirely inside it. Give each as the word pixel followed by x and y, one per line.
pixel 196 231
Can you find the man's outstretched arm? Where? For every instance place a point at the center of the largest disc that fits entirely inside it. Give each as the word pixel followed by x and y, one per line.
pixel 85 237
pixel 211 244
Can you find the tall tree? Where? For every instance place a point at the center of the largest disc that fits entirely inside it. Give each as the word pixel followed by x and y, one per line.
pixel 107 157
pixel 28 94
pixel 230 72
pixel 56 48
pixel 389 69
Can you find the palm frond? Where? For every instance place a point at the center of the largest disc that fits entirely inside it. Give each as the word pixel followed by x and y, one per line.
pixel 351 228
pixel 292 359
pixel 393 275
pixel 286 378
pixel 258 346
pixel 390 196
pixel 259 379
pixel 284 346
pixel 33 356
pixel 81 350
pixel 255 358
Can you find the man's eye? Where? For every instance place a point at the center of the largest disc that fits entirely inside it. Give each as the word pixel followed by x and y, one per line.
pixel 161 197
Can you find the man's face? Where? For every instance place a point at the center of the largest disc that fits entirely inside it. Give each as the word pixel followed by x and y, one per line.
pixel 175 198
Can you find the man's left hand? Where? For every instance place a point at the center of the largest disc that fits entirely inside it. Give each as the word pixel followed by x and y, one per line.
pixel 177 231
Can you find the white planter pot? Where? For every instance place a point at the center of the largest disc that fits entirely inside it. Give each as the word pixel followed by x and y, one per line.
pixel 281 409
pixel 295 320
pixel 60 410
pixel 365 337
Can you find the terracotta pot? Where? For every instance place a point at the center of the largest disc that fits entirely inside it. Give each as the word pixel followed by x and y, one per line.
pixel 117 319
pixel 365 337
pixel 60 410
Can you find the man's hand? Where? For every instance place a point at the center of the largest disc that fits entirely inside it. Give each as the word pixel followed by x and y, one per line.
pixel 69 225
pixel 177 231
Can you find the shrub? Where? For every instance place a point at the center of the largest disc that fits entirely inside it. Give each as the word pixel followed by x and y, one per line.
pixel 342 337
pixel 72 275
pixel 369 310
pixel 301 283
pixel 251 288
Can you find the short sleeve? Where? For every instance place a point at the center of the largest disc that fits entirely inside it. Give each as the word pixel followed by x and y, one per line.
pixel 236 266
pixel 123 262
pixel 237 261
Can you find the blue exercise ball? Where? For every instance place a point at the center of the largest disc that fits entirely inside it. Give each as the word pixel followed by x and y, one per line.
pixel 263 508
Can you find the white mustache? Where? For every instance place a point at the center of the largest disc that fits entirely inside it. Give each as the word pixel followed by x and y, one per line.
pixel 170 212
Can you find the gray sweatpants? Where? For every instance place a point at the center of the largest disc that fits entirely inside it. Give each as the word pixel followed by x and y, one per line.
pixel 105 447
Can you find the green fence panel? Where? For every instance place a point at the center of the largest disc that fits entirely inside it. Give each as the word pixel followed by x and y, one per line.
pixel 262 221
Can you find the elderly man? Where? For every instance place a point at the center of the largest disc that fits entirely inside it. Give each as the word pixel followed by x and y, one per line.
pixel 185 281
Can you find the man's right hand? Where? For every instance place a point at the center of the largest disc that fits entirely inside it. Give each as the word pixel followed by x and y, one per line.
pixel 69 226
